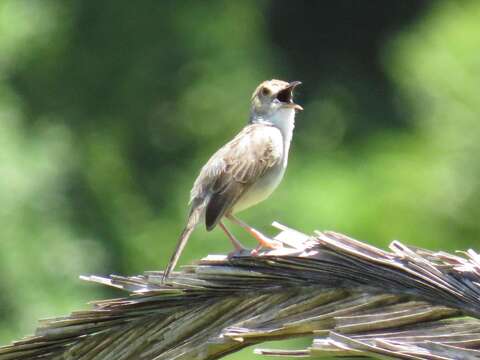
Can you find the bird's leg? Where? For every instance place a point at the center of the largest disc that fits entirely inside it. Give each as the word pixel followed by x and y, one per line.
pixel 236 244
pixel 263 240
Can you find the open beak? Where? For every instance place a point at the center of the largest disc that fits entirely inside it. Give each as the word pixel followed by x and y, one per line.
pixel 293 84
pixel 286 96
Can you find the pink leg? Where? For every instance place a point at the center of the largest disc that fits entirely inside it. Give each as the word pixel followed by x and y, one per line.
pixel 236 244
pixel 264 241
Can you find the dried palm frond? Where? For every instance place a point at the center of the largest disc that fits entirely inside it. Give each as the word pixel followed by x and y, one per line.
pixel 352 298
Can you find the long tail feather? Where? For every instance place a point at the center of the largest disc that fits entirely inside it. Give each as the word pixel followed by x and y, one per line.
pixel 193 219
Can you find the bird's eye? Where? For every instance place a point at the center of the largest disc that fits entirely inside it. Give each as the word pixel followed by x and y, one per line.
pixel 266 91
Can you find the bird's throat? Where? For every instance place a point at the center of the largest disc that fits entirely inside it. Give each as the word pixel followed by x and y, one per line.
pixel 284 120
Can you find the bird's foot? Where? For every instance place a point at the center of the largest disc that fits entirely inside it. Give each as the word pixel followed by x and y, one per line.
pixel 239 252
pixel 256 251
pixel 265 243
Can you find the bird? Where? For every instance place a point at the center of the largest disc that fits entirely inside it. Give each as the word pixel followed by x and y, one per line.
pixel 246 170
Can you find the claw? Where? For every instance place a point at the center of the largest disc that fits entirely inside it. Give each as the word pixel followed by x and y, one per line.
pixel 237 253
pixel 256 251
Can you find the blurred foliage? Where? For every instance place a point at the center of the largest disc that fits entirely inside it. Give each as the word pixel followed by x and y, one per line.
pixel 107 111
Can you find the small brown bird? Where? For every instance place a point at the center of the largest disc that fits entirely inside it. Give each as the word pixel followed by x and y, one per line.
pixel 246 170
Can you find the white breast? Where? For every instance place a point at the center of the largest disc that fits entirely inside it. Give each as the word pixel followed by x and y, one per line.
pixel 285 121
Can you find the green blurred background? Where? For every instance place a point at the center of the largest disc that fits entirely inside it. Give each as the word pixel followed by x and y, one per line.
pixel 109 108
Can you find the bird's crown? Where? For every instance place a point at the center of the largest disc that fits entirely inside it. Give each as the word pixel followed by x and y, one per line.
pixel 269 87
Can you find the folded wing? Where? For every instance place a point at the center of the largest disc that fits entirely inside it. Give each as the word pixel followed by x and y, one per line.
pixel 235 167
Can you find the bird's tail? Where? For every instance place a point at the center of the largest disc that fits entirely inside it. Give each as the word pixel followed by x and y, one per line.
pixel 192 221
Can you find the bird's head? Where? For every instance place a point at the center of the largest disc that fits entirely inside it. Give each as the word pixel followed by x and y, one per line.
pixel 272 97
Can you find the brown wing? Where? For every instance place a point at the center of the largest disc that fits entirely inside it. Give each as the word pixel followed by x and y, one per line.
pixel 235 167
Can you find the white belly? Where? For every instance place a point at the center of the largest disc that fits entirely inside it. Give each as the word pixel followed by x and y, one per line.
pixel 262 189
